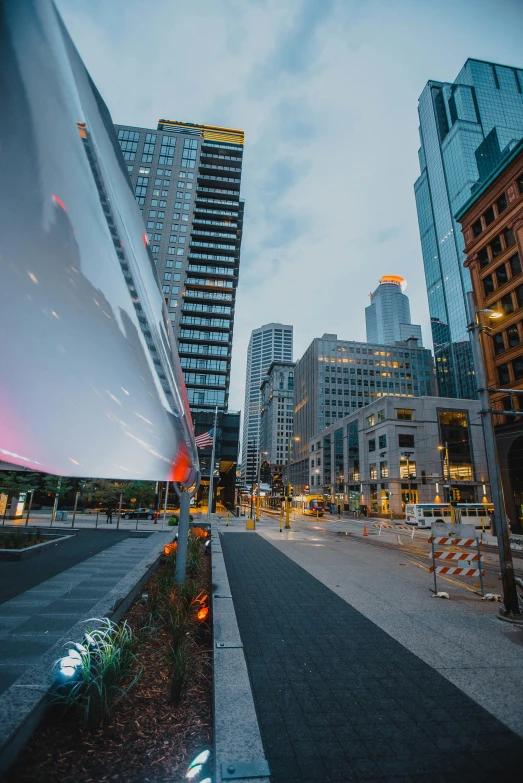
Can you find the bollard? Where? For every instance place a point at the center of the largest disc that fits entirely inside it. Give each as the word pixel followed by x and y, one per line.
pixel 226 519
pixel 281 520
pixel 97 512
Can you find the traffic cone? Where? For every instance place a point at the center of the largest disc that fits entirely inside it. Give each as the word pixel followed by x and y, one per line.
pixel 365 530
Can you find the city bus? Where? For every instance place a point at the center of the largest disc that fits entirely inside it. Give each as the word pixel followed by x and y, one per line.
pixel 422 515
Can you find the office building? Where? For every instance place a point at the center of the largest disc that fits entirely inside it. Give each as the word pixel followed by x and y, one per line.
pixel 268 344
pixel 492 221
pixel 388 454
pixel 276 417
pixel 387 318
pixel 186 179
pixel 465 129
pixel 335 377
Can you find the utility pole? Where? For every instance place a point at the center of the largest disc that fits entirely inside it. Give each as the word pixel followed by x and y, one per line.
pixel 510 597
pixel 211 471
pixel 252 478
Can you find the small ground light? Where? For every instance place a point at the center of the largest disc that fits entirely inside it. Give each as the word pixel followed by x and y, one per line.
pixel 203 613
pixel 196 767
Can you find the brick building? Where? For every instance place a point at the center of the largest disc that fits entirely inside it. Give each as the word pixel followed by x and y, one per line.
pixel 492 224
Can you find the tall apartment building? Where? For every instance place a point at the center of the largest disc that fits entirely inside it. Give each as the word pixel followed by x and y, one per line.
pixel 335 377
pixel 387 318
pixel 269 343
pixel 186 179
pixel 465 129
pixel 276 417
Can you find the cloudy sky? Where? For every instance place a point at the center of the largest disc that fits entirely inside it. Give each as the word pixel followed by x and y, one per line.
pixel 326 91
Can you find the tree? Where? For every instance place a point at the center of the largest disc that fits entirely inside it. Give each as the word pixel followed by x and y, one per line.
pixel 57 485
pixel 141 493
pixel 13 482
pixel 101 491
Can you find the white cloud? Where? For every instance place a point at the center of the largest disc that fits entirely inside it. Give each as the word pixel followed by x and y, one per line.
pixel 327 95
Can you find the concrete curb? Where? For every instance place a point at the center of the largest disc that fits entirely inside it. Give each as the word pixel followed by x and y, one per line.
pixel 29 551
pixel 236 731
pixel 23 704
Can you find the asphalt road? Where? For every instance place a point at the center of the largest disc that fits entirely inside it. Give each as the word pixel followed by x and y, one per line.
pixel 18 576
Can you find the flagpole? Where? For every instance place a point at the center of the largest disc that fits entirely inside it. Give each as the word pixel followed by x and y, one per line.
pixel 211 472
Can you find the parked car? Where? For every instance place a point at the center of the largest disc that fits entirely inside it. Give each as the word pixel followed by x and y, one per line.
pixel 139 513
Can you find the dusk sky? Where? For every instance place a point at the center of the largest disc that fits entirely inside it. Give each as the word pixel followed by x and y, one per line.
pixel 326 92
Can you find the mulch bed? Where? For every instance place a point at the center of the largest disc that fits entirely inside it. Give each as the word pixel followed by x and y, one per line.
pixel 146 738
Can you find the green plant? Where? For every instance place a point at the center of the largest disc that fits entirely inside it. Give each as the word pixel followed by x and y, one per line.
pixel 175 617
pixel 105 663
pixel 180 661
pixel 173 521
pixel 194 557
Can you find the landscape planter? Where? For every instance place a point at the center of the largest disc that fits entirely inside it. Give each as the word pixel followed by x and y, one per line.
pixel 146 736
pixel 36 549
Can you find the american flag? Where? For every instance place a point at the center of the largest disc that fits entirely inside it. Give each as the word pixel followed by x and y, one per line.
pixel 205 439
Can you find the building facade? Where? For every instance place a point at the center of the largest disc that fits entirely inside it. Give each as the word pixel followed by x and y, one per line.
pixel 276 418
pixel 186 179
pixel 389 453
pixel 269 343
pixel 464 128
pixel 335 377
pixel 492 222
pixel 387 318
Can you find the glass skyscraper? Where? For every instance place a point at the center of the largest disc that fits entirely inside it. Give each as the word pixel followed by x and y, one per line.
pixel 465 129
pixel 387 318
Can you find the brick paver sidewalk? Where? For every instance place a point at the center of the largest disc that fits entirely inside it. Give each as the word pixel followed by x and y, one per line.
pixel 338 699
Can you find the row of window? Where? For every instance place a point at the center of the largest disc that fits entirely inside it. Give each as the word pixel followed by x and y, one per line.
pixel 506 303
pixel 500 275
pixel 500 243
pixel 203 364
pixel 511 337
pixel 211 350
pixel 405 440
pixel 504 372
pixel 490 215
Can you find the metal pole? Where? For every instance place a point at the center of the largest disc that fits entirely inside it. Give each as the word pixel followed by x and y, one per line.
pixel 510 597
pixel 55 505
pixel 97 512
pixel 258 490
pixel 434 563
pixel 183 535
pixel 449 479
pixel 29 507
pixel 480 563
pixel 211 471
pixel 288 489
pixel 252 482
pixel 119 512
pixel 165 501
pixel 74 511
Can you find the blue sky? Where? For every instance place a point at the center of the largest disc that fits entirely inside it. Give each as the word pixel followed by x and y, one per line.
pixel 326 91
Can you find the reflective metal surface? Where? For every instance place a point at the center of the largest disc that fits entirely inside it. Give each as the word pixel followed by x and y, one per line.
pixel 90 381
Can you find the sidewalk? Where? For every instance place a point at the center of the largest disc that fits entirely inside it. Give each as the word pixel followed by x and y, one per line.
pixel 338 698
pixel 37 618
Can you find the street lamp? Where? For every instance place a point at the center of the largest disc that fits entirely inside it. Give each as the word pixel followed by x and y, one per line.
pixel 510 596
pixel 290 442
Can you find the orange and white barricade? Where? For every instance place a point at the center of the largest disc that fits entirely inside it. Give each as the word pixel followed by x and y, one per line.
pixel 467 563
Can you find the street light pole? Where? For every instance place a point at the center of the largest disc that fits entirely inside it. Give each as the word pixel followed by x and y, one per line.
pixel 510 597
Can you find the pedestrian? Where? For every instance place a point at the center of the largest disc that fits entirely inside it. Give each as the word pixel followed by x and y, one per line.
pixel 156 515
pixel 339 511
pixel 109 516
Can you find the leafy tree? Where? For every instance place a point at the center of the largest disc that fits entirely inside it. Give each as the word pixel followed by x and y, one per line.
pixel 13 482
pixel 54 486
pixel 143 491
pixel 101 492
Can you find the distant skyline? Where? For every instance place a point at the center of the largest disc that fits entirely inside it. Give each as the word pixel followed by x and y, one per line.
pixel 326 92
